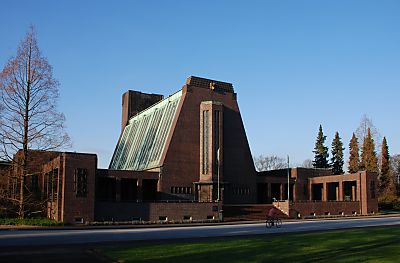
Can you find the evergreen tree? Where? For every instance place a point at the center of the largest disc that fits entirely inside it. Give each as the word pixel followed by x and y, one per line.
pixel 320 151
pixel 369 161
pixel 354 159
pixel 337 155
pixel 387 180
pixel 384 157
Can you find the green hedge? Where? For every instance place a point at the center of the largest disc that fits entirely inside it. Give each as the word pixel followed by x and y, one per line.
pixel 30 222
pixel 389 203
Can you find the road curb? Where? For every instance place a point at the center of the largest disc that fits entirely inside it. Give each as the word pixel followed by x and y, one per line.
pixel 27 228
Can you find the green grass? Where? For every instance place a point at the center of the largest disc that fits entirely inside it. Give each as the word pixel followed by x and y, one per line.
pixel 30 222
pixel 361 245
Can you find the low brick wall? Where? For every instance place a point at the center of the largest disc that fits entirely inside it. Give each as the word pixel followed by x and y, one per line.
pixel 128 211
pixel 283 206
pixel 321 208
pixel 250 212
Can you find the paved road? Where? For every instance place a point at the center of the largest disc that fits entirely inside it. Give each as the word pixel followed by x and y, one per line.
pixel 34 238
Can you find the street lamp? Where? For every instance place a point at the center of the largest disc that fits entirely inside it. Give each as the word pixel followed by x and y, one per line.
pixel 218 197
pixel 288 181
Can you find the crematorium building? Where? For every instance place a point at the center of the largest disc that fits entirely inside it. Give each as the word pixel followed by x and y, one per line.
pixel 181 158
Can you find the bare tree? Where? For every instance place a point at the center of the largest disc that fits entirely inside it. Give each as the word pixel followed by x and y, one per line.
pixel 308 163
pixel 266 163
pixel 362 131
pixel 395 167
pixel 30 120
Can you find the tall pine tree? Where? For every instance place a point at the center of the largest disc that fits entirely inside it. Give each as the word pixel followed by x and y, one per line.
pixel 354 159
pixel 387 181
pixel 385 157
pixel 369 161
pixel 337 155
pixel 320 151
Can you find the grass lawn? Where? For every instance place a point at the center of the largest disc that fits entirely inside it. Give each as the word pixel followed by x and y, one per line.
pixel 360 245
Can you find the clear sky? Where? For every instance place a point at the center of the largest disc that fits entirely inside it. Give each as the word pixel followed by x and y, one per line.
pixel 294 64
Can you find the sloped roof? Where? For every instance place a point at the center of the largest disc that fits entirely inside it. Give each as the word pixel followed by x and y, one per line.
pixel 144 138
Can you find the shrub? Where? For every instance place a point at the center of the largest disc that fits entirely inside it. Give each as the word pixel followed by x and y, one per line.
pixel 30 222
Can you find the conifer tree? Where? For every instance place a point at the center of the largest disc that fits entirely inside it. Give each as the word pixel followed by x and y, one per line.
pixel 385 157
pixel 320 151
pixel 354 159
pixel 337 155
pixel 387 180
pixel 369 161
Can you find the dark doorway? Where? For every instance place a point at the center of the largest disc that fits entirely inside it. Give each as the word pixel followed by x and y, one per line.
pixel 149 187
pixel 276 191
pixel 333 189
pixel 128 189
pixel 286 192
pixel 105 189
pixel 349 191
pixel 262 193
pixel 317 192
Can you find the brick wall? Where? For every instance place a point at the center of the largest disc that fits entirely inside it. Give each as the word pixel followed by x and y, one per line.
pixel 309 208
pixel 134 102
pixel 181 160
pixel 107 211
pixel 75 207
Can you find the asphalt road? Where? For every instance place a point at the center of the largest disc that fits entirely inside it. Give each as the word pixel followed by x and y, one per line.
pixel 41 238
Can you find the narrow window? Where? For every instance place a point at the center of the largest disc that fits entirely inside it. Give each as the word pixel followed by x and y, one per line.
pixel 216 141
pixel 205 141
pixel 80 182
pixel 372 188
pixel 35 184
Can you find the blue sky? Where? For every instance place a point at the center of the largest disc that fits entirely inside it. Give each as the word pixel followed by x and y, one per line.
pixel 294 64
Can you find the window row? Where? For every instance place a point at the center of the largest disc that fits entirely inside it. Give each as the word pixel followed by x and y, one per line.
pixel 181 190
pixel 241 191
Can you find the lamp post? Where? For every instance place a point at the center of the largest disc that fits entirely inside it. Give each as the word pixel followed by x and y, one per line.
pixel 218 197
pixel 288 181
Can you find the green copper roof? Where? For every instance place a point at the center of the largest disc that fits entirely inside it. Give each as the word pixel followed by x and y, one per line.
pixel 144 138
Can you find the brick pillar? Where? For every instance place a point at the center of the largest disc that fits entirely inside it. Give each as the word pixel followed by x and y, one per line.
pixel 310 193
pixel 281 196
pixel 358 190
pixel 324 192
pixel 337 193
pixel 340 191
pixel 59 195
pixel 294 192
pixel 353 193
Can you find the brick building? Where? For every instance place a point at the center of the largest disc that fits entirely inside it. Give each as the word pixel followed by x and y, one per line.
pixel 316 192
pixel 185 157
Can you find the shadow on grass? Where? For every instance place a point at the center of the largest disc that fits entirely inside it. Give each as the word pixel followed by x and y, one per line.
pixel 378 244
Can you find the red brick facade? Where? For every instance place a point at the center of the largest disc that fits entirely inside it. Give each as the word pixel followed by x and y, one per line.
pixel 315 192
pixel 182 161
pixel 61 183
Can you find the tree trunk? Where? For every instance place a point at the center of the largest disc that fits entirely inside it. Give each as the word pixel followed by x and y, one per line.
pixel 21 212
